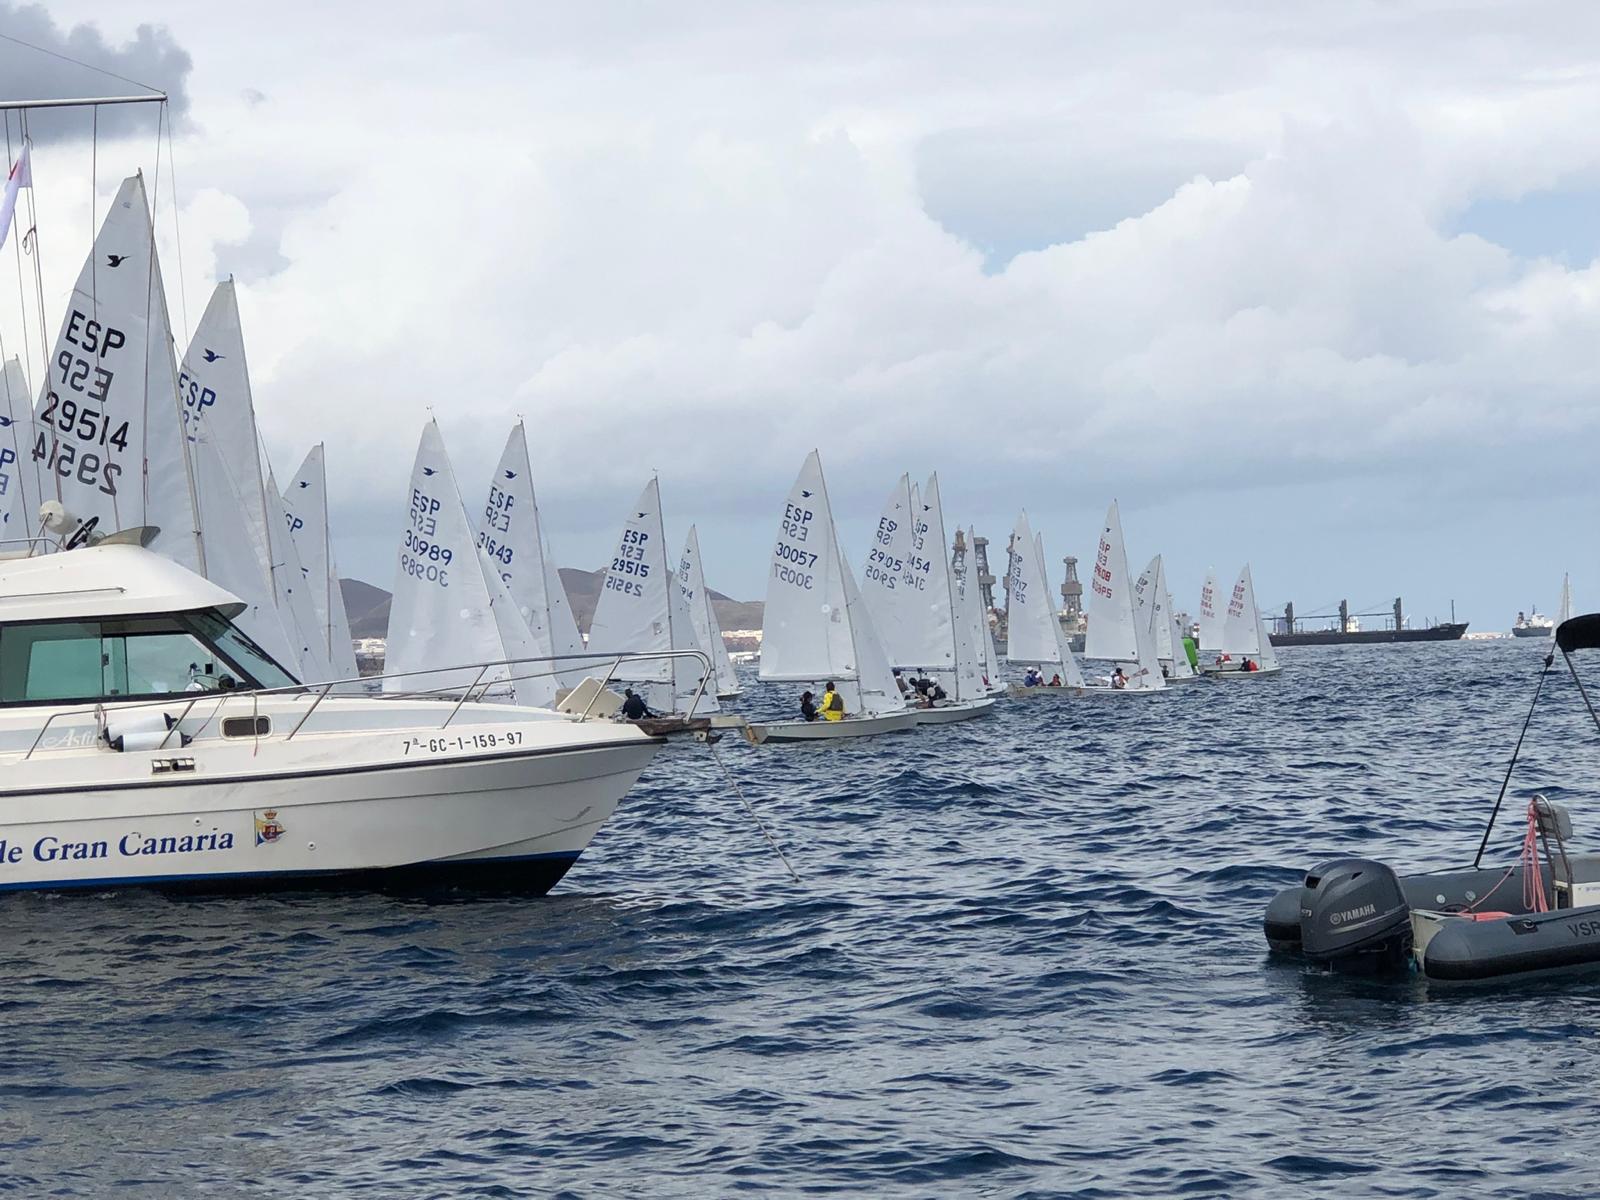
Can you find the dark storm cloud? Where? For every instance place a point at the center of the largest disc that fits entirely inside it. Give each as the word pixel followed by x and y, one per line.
pixel 152 57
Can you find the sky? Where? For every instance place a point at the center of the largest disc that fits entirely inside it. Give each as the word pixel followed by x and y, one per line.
pixel 1314 287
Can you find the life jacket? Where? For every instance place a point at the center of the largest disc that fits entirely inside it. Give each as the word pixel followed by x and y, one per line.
pixel 832 706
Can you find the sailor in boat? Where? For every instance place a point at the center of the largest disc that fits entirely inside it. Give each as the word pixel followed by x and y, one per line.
pixel 1118 679
pixel 900 682
pixel 832 703
pixel 808 706
pixel 1055 680
pixel 1249 665
pixel 633 706
pixel 1031 678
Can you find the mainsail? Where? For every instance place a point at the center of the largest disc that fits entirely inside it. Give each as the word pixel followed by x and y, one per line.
pixel 641 610
pixel 106 440
pixel 512 538
pixel 1116 631
pixel 816 626
pixel 306 507
pixel 708 631
pixel 1210 630
pixel 1033 631
pixel 451 609
pixel 19 510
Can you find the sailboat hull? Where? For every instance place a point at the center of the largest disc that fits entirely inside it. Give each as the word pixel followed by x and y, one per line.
pixel 1018 692
pixel 825 731
pixel 1234 674
pixel 949 714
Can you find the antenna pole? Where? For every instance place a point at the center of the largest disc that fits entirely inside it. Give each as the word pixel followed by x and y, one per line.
pixel 82 101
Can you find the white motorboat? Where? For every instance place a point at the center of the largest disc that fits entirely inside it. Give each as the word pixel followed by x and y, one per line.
pixel 146 740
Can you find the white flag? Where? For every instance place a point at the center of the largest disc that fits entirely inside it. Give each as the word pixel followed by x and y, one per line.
pixel 21 177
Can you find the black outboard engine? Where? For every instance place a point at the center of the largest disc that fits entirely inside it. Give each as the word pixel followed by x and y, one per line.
pixel 1353 913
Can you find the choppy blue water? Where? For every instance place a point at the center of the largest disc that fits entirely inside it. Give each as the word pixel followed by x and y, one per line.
pixel 1024 959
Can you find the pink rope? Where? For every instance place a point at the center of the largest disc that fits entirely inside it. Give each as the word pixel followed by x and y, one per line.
pixel 1532 882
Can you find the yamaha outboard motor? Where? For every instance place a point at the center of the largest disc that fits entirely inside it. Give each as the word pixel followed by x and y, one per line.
pixel 1353 913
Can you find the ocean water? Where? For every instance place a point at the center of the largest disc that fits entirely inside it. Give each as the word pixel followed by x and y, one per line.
pixel 1023 958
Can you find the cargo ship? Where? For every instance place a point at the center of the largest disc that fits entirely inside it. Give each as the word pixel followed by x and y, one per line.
pixel 1347 630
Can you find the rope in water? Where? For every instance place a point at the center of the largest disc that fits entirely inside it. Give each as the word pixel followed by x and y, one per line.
pixel 739 792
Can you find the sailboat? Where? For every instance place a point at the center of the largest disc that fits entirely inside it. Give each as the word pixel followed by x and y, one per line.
pixel 106 438
pixel 816 626
pixel 983 635
pixel 707 629
pixel 1117 633
pixel 19 513
pixel 1244 637
pixel 1209 627
pixel 306 506
pixel 1155 603
pixel 512 537
pixel 219 425
pixel 642 610
pixel 1034 636
pixel 450 606
pixel 912 596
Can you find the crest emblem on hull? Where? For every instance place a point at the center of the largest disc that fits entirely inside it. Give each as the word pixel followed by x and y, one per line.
pixel 268 827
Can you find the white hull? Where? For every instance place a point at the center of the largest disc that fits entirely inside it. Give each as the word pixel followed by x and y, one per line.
pixel 1018 692
pixel 823 731
pixel 733 695
pixel 1232 674
pixel 1179 680
pixel 1104 691
pixel 516 790
pixel 948 714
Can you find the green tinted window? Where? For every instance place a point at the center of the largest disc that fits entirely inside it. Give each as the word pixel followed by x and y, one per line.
pixel 50 662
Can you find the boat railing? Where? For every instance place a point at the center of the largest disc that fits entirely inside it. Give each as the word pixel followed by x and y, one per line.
pixel 482 683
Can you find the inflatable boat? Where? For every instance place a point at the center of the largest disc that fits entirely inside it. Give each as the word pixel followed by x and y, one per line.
pixel 1539 914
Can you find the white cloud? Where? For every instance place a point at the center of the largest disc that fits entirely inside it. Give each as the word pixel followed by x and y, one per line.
pixel 706 243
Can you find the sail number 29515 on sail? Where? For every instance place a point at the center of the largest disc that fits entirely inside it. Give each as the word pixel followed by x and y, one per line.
pixel 421 557
pixel 791 564
pixel 87 442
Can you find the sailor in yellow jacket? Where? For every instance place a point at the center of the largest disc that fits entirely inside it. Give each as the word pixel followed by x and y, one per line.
pixel 832 704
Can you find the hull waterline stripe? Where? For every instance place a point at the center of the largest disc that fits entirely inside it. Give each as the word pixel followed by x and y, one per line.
pixel 441 865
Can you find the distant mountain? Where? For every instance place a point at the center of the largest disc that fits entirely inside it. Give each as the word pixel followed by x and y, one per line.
pixel 368 606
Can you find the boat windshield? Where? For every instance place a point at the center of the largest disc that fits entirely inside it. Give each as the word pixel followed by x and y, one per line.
pixel 129 657
pixel 248 657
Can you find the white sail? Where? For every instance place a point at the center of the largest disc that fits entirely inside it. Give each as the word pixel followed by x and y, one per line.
pixel 19 508
pixel 1168 633
pixel 450 607
pixel 1241 629
pixel 641 611
pixel 1144 600
pixel 1117 632
pixel 1564 611
pixel 1111 634
pixel 306 505
pixel 708 631
pixel 1267 657
pixel 1033 630
pixel 512 537
pixel 936 591
pixel 1211 615
pixel 231 561
pixel 886 579
pixel 815 626
pixel 295 587
pixel 107 436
